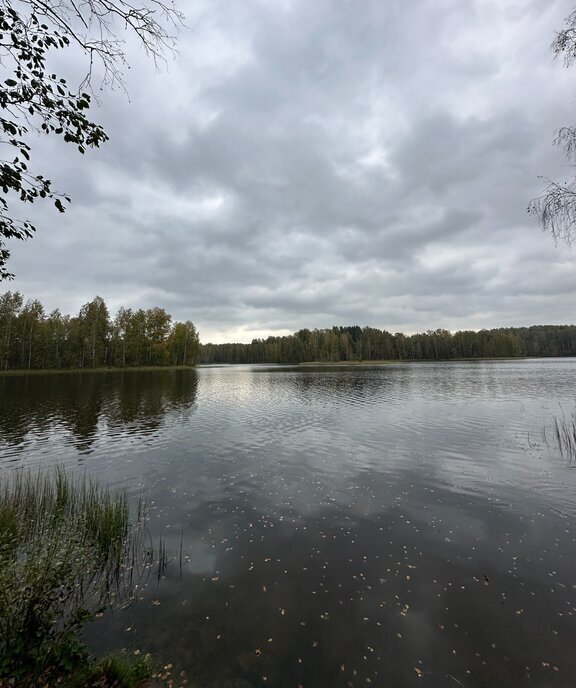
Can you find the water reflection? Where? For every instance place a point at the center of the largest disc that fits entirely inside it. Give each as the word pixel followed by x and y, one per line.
pixel 389 526
pixel 382 584
pixel 87 406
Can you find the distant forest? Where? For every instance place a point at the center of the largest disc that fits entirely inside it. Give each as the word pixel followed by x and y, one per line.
pixel 30 338
pixel 370 344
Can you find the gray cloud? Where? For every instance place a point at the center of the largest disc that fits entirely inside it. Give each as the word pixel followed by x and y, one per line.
pixel 309 164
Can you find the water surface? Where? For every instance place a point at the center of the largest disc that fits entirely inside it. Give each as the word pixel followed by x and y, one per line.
pixel 398 525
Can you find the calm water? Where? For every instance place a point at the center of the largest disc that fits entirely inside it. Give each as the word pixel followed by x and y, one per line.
pixel 403 525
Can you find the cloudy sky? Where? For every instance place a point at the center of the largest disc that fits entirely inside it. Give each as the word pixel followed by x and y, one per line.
pixel 310 163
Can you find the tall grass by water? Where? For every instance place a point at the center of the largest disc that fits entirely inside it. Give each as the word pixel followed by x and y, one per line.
pixel 68 550
pixel 565 436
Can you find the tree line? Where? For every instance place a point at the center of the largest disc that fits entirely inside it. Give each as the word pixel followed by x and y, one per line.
pixel 369 344
pixel 30 338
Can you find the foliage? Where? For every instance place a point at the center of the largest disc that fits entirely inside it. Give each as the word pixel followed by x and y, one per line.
pixel 369 343
pixel 556 208
pixel 67 550
pixel 34 99
pixel 29 338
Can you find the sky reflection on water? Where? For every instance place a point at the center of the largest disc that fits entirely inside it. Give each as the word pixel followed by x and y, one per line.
pixel 399 526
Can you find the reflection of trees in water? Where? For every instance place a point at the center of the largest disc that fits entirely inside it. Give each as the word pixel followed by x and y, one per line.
pixel 394 382
pixel 339 384
pixel 81 402
pixel 142 402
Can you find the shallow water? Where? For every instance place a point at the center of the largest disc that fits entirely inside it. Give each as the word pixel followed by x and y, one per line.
pixel 398 525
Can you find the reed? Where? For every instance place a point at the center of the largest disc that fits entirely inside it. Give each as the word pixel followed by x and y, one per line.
pixel 565 436
pixel 68 549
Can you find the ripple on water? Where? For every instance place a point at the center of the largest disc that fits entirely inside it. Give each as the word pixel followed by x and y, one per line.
pixel 383 520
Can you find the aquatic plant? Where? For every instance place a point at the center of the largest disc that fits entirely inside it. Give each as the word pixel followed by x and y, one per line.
pixel 565 436
pixel 68 549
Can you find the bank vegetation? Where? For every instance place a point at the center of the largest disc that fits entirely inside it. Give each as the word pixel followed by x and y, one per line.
pixel 32 339
pixel 348 344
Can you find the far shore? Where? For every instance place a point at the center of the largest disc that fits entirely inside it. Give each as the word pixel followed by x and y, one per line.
pixel 391 361
pixel 305 364
pixel 64 371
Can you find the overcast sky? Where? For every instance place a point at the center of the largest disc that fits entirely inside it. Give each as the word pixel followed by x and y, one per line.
pixel 309 163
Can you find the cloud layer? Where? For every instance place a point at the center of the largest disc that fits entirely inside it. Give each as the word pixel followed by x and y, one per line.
pixel 307 164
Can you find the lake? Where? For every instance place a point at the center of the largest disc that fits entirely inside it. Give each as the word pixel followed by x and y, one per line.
pixel 395 525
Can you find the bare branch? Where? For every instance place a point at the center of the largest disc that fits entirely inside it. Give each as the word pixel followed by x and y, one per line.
pixel 566 139
pixel 555 211
pixel 565 42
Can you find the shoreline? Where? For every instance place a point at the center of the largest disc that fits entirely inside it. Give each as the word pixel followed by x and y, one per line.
pixel 65 371
pixel 392 361
pixel 304 364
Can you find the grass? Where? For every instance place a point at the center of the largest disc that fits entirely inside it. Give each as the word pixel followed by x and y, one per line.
pixel 117 670
pixel 68 549
pixel 565 436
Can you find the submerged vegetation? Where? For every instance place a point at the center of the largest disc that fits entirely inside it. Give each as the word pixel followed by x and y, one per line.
pixel 68 550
